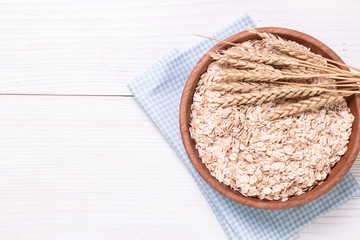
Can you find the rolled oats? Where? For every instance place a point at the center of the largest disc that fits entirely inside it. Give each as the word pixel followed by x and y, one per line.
pixel 271 160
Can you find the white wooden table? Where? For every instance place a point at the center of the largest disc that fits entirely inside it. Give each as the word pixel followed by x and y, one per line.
pixel 79 157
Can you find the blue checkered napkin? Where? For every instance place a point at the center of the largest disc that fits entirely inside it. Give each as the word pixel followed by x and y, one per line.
pixel 159 90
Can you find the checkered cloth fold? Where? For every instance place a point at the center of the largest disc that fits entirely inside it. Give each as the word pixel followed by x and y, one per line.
pixel 159 90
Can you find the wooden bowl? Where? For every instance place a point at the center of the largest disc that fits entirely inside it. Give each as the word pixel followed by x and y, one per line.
pixel 338 171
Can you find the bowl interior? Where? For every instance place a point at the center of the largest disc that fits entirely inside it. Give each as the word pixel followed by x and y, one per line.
pixel 338 171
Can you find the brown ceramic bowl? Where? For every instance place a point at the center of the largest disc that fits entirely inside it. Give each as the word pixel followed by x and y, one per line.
pixel 338 171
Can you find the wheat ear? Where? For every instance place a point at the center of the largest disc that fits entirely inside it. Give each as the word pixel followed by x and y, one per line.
pixel 240 86
pixel 330 67
pixel 257 57
pixel 300 71
pixel 261 76
pixel 305 105
pixel 237 62
pixel 291 48
pixel 272 95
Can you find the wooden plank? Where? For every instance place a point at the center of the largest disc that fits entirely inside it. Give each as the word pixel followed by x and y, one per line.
pixel 93 168
pixel 98 47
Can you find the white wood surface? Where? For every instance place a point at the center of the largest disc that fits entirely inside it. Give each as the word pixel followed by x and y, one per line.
pixel 95 167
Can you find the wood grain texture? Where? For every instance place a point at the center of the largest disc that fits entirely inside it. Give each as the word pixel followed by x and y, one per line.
pixel 90 167
pixel 98 47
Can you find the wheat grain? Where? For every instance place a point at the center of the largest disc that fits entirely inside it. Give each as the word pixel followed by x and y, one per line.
pixel 291 48
pixel 260 76
pixel 269 95
pixel 300 71
pixel 237 62
pixel 305 105
pixel 255 56
pixel 337 63
pixel 240 86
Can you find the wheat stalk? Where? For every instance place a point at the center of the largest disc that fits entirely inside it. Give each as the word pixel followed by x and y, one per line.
pixel 291 48
pixel 305 105
pixel 272 95
pixel 272 74
pixel 299 71
pixel 296 50
pixel 238 62
pixel 299 65
pixel 262 76
pixel 267 58
pixel 240 86
pixel 334 88
pixel 271 59
pixel 301 61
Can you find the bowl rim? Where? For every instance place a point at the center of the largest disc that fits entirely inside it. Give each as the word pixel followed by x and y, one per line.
pixel 184 122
